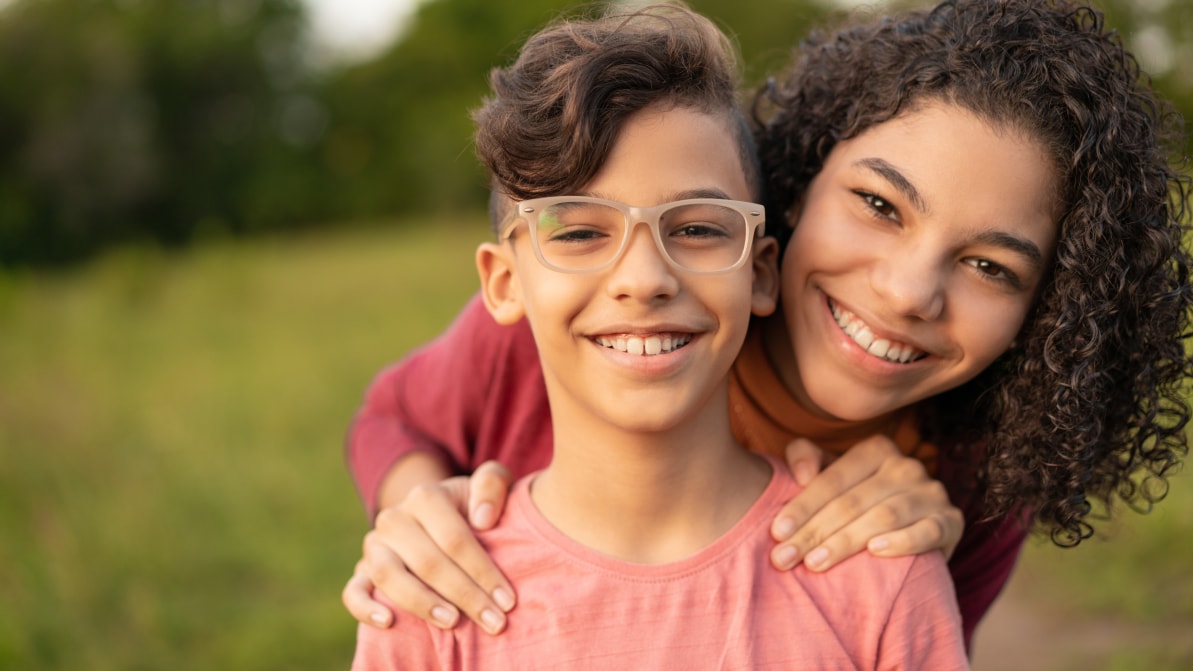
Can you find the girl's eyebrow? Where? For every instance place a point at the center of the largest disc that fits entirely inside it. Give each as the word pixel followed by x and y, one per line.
pixel 896 179
pixel 1013 243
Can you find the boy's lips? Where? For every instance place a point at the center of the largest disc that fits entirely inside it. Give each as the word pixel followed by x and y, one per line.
pixel 644 344
pixel 887 349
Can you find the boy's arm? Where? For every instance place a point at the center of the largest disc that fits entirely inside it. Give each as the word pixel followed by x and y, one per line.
pixel 923 630
pixel 409 648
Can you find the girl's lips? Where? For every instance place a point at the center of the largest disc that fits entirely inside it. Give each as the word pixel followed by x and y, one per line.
pixel 893 351
pixel 644 345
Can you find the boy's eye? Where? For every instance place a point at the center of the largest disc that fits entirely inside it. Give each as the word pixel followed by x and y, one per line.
pixel 700 230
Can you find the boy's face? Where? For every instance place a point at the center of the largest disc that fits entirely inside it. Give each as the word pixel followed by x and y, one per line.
pixel 639 345
pixel 918 251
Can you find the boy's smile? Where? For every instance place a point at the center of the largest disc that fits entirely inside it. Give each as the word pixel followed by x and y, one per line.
pixel 912 265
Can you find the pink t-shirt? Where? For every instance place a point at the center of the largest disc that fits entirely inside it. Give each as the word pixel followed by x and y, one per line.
pixel 724 607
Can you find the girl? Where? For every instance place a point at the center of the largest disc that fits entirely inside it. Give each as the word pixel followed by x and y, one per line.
pixel 985 265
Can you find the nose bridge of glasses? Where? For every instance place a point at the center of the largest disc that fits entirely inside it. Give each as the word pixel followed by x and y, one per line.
pixel 635 218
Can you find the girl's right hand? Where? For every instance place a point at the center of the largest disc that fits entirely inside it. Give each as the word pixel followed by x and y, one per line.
pixel 425 559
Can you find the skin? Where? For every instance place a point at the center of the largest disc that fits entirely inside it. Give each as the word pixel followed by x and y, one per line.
pixel 645 466
pixel 921 243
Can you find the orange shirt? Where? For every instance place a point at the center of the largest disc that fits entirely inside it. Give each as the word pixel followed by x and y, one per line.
pixel 765 417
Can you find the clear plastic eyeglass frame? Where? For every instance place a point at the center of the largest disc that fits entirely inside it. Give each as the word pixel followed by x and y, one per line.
pixel 753 216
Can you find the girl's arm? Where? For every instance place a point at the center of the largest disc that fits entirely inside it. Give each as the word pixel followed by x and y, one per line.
pixel 473 394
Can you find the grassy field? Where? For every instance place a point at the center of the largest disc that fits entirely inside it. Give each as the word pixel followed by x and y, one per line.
pixel 172 487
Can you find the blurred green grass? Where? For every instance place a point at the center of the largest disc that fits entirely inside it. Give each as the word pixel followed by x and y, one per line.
pixel 172 486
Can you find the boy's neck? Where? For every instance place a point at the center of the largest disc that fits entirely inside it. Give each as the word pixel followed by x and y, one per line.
pixel 648 498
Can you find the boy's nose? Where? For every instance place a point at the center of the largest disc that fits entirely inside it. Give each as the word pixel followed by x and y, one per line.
pixel 642 273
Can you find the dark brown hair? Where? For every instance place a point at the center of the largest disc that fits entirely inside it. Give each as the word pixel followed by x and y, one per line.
pixel 556 112
pixel 1090 406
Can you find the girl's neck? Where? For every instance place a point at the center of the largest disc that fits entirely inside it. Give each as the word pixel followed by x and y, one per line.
pixel 781 356
pixel 653 497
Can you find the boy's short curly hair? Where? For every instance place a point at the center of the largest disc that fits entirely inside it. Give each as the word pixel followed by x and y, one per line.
pixel 1090 406
pixel 556 112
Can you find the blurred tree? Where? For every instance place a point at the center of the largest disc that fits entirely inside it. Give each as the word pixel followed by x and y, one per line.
pixel 401 133
pixel 168 118
pixel 129 117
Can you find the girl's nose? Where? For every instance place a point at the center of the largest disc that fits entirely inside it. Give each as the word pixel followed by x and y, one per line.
pixel 911 283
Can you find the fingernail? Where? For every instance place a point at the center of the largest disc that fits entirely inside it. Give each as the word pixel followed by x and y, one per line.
pixel 482 515
pixel 443 615
pixel 786 556
pixel 878 544
pixel 816 558
pixel 491 621
pixel 783 529
pixel 379 618
pixel 504 599
pixel 804 472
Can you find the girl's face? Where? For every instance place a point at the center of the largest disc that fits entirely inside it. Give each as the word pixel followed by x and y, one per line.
pixel 917 252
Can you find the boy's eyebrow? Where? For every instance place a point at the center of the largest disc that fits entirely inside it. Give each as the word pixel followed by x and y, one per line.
pixel 896 179
pixel 674 196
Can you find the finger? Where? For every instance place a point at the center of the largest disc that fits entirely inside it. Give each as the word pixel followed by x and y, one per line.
pixel 439 548
pixel 358 599
pixel 937 531
pixel 909 523
pixel 856 465
pixel 488 488
pixel 899 493
pixel 384 569
pixel 804 459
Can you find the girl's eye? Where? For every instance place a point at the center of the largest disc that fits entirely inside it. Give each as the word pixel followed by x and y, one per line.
pixel 995 272
pixel 879 205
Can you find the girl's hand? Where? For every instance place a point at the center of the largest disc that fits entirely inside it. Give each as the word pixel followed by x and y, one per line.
pixel 872 497
pixel 423 556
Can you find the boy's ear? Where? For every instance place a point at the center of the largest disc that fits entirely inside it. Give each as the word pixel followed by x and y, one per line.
pixel 499 282
pixel 765 294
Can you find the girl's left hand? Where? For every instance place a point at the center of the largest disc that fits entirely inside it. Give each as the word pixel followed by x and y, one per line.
pixel 872 497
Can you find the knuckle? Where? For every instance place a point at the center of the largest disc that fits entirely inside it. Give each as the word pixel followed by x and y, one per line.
pixel 887 515
pixel 420 496
pixel 907 469
pixel 454 544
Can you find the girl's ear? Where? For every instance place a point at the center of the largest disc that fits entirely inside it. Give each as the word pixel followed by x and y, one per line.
pixel 499 282
pixel 765 293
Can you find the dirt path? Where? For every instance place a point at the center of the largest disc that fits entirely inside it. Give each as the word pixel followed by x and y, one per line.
pixel 1022 633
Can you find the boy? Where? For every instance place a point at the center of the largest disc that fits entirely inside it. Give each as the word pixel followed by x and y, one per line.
pixel 643 544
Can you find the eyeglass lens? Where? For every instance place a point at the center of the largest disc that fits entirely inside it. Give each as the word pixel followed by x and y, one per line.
pixel 586 236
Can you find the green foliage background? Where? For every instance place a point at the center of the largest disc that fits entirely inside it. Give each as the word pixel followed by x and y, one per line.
pixel 182 120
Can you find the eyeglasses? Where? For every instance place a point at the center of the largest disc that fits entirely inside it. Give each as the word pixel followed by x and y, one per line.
pixel 578 234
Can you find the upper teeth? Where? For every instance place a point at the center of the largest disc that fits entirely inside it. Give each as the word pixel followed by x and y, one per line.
pixel 644 345
pixel 864 337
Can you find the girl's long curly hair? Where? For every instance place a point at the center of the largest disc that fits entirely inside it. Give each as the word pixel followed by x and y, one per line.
pixel 1090 405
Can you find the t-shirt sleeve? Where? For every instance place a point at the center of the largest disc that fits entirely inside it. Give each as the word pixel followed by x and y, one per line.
pixel 408 646
pixel 924 627
pixel 435 398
